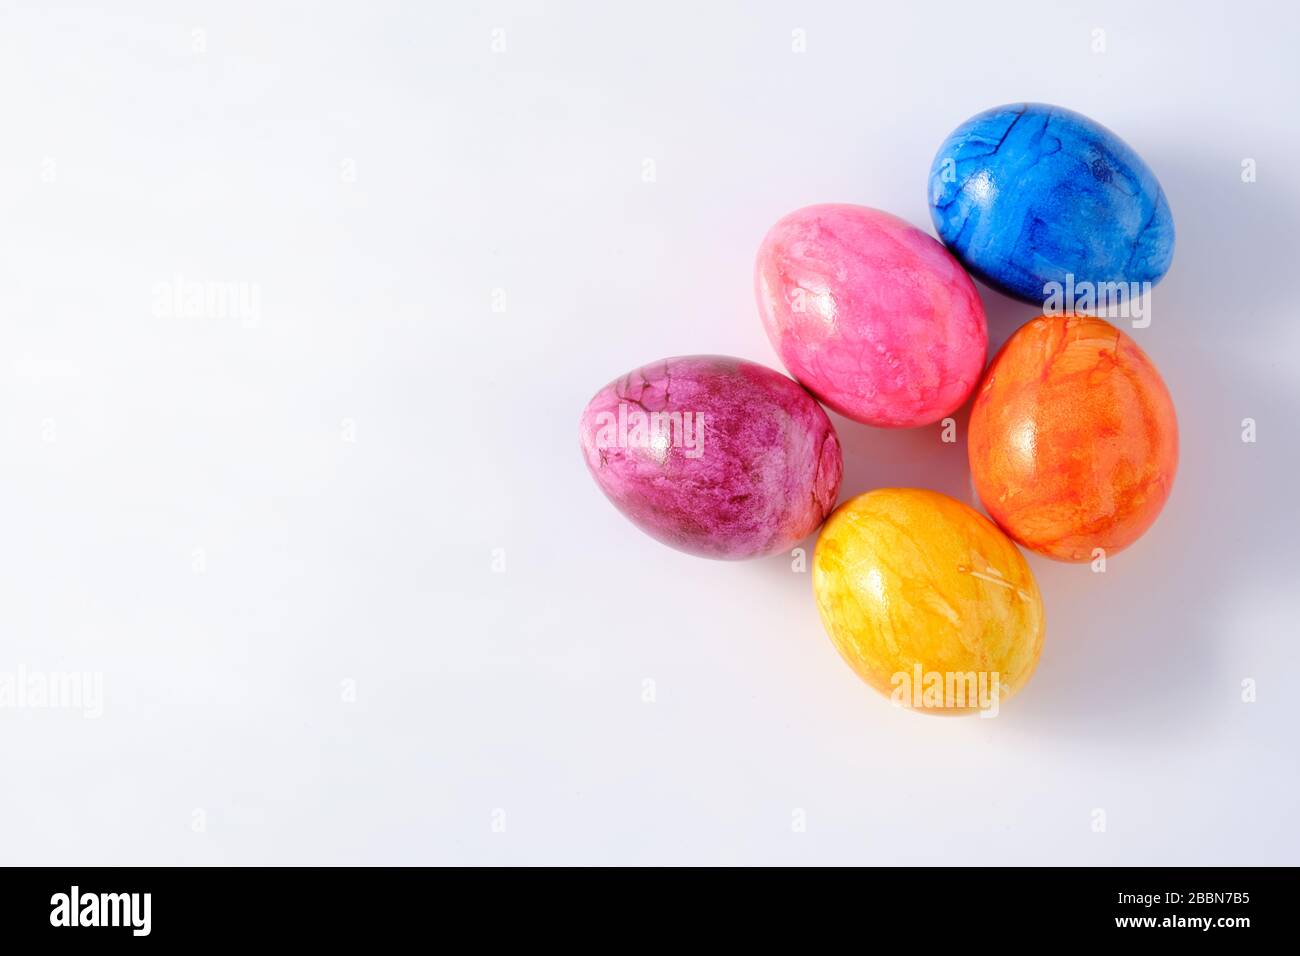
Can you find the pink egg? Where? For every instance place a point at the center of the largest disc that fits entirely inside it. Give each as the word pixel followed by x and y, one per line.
pixel 870 314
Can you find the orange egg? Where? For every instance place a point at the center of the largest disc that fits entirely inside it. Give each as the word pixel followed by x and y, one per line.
pixel 1073 439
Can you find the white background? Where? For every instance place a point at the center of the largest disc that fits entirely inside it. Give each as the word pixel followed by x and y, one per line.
pixel 235 522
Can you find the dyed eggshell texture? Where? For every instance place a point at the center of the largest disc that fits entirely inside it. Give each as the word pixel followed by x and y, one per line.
pixel 1026 195
pixel 912 583
pixel 1073 441
pixel 755 468
pixel 871 314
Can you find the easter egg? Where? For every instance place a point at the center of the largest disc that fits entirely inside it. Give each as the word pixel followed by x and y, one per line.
pixel 1073 441
pixel 928 601
pixel 1032 197
pixel 714 456
pixel 871 314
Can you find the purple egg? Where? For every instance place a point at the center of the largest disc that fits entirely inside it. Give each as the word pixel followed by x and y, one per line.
pixel 714 456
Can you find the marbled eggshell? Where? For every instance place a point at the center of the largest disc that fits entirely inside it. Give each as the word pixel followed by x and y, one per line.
pixel 871 314
pixel 1026 195
pixel 1073 440
pixel 912 584
pixel 764 475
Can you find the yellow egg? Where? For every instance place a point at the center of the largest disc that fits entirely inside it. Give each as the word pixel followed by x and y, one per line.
pixel 928 601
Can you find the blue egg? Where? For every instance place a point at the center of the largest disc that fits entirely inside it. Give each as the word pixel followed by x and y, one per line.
pixel 1028 195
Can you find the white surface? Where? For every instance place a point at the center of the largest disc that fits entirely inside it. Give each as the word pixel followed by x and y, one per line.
pixel 374 172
